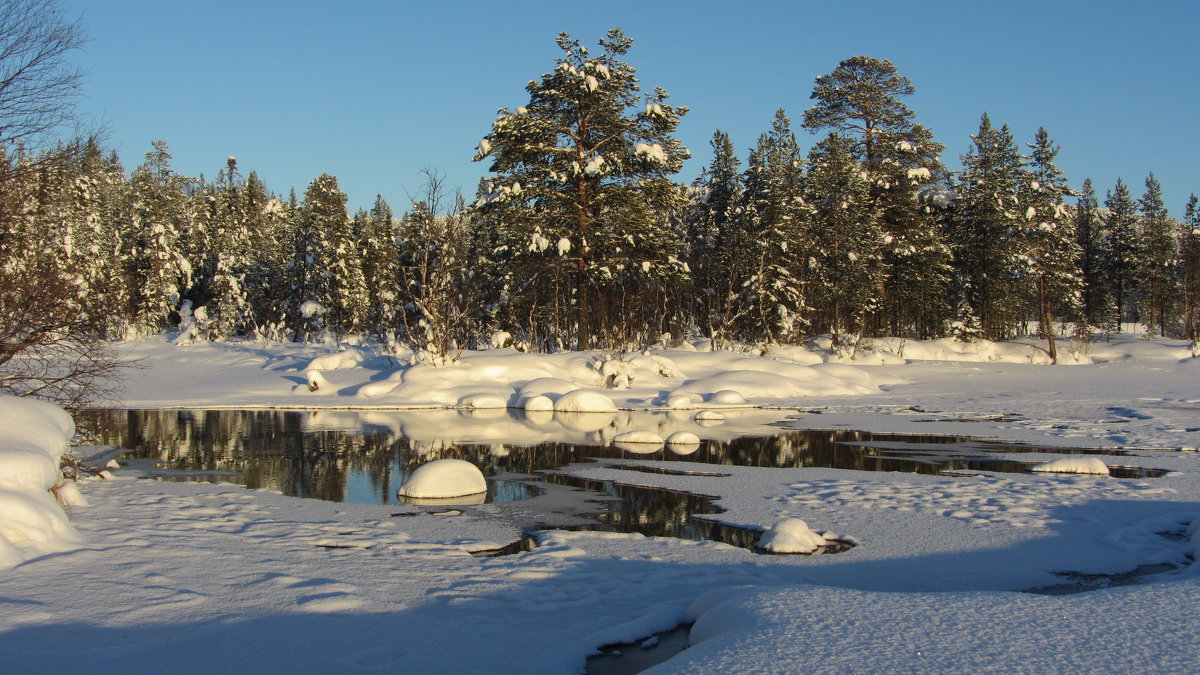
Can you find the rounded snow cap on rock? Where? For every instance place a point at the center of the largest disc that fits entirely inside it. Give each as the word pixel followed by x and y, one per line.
pixel 1089 465
pixel 537 402
pixel 727 397
pixel 680 402
pixel 708 418
pixel 443 479
pixel 582 400
pixel 791 535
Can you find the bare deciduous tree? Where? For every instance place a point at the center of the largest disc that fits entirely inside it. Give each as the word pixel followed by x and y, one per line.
pixel 37 80
pixel 49 347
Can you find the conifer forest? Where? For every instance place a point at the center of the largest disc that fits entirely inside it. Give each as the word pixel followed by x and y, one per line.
pixel 579 237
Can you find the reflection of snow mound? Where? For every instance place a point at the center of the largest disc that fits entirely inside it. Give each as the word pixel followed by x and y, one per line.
pixel 683 442
pixel 582 400
pixel 638 438
pixel 444 478
pixel 791 535
pixel 1090 465
pixel 584 421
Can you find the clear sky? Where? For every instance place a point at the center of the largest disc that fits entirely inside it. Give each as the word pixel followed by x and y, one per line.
pixel 374 91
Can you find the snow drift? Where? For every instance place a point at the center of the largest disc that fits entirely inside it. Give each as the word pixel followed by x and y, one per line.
pixel 33 436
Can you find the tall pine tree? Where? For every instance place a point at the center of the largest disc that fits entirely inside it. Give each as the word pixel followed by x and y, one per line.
pixel 1156 261
pixel 581 173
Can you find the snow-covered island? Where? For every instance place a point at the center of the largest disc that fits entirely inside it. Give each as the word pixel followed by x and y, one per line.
pixel 251 580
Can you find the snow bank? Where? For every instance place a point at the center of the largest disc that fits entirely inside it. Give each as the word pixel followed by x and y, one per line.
pixel 33 436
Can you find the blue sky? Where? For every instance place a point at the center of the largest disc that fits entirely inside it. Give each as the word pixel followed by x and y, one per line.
pixel 372 92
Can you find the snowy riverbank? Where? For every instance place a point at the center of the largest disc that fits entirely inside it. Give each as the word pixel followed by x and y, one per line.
pixel 244 580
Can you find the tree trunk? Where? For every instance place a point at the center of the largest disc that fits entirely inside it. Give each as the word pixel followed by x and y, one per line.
pixel 1046 319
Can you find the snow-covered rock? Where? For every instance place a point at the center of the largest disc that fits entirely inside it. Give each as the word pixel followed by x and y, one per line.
pixel 726 397
pixel 582 400
pixel 791 535
pixel 680 402
pixel 1082 464
pixel 443 479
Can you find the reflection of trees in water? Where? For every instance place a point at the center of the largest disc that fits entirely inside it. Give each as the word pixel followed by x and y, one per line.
pixel 291 452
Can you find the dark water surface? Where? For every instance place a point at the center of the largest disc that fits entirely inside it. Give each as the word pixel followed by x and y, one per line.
pixel 365 457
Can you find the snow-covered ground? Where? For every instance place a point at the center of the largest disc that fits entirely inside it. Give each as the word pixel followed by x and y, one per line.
pixel 191 577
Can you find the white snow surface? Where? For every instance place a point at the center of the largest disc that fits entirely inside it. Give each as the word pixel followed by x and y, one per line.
pixel 252 581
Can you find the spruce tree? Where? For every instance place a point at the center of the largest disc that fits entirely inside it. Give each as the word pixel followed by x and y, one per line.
pixel 581 173
pixel 845 259
pixel 157 267
pixel 771 298
pixel 716 244
pixel 1156 261
pixel 379 241
pixel 987 233
pixel 328 289
pixel 1090 238
pixel 1121 250
pixel 1050 240
pixel 1189 270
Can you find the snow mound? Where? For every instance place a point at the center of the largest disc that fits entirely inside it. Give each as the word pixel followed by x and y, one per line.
pixel 727 397
pixel 1089 465
pixel 791 535
pixel 33 436
pixel 443 479
pixel 680 402
pixel 708 416
pixel 482 401
pixel 537 403
pixel 582 400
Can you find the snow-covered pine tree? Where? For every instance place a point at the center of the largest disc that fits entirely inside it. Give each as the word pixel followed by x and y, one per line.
pixel 328 290
pixel 581 173
pixel 1121 251
pixel 1157 253
pixel 226 258
pixel 771 298
pixel 1050 241
pixel 1189 270
pixel 845 256
pixel 862 101
pixel 1089 237
pixel 268 226
pixel 378 236
pixel 717 246
pixel 986 233
pixel 440 308
pixel 160 212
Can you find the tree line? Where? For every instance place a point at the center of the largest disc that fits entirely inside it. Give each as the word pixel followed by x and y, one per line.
pixel 579 238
